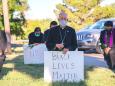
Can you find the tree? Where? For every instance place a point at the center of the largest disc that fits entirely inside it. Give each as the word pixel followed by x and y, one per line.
pixel 31 24
pixel 16 16
pixel 6 24
pixel 83 12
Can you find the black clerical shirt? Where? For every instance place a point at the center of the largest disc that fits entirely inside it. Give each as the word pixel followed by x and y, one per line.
pixel 66 36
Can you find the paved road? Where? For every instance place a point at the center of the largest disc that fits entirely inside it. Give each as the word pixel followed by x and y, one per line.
pixel 93 59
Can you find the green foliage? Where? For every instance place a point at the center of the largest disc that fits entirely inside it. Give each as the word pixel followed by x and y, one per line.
pixel 31 24
pixel 16 20
pixel 87 12
pixel 105 12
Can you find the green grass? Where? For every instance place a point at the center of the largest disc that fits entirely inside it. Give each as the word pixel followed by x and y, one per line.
pixel 15 73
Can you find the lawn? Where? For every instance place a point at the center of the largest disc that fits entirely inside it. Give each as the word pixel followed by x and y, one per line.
pixel 15 73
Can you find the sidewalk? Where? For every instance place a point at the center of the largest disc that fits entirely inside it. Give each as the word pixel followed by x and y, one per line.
pixel 94 60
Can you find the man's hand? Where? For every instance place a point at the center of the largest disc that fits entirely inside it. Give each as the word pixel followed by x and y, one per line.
pixel 106 50
pixel 65 50
pixel 59 46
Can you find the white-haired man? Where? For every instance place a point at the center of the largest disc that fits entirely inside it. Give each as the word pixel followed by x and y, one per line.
pixel 62 37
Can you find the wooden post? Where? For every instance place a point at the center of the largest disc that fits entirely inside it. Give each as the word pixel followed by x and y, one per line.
pixel 7 24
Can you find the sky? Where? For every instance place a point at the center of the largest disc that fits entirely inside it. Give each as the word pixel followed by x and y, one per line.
pixel 42 9
pixel 107 2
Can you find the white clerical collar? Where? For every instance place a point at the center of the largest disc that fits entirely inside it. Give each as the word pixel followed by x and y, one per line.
pixel 62 27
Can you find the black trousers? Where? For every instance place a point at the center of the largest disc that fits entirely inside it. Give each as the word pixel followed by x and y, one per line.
pixel 112 56
pixel 108 60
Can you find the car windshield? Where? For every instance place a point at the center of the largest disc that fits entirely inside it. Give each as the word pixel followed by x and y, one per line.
pixel 97 25
pixel 87 27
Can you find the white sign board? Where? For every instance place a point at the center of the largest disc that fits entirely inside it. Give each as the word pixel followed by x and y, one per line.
pixel 61 67
pixel 34 55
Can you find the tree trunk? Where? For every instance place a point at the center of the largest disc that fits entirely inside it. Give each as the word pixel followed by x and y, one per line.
pixel 7 24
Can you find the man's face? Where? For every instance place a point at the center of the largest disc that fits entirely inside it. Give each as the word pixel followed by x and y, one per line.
pixel 62 20
pixel 62 17
pixel 108 27
pixel 53 26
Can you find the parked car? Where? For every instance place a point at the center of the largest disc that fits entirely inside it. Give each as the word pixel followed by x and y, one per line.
pixel 88 38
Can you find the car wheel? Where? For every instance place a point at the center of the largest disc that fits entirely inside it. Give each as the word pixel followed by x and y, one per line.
pixel 98 48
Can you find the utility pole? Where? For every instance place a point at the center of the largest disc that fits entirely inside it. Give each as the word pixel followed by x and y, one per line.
pixel 6 24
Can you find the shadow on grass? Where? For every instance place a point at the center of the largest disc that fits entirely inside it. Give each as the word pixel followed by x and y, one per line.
pixel 37 71
pixel 4 72
pixel 82 83
pixel 87 69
